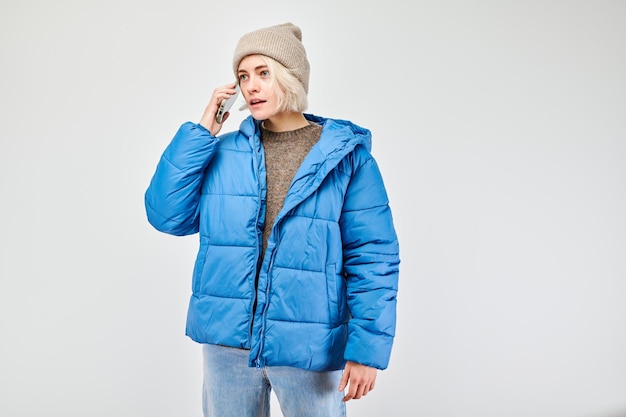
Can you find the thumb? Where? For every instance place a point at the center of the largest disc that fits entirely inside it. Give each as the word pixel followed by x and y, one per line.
pixel 344 378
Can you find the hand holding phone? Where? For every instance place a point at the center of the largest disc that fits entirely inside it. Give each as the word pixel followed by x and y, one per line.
pixel 225 105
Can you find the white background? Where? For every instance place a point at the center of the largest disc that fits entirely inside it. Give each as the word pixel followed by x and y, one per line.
pixel 500 128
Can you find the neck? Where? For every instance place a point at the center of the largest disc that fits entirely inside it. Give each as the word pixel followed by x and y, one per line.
pixel 285 122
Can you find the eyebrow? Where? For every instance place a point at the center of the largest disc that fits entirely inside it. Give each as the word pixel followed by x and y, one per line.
pixel 258 67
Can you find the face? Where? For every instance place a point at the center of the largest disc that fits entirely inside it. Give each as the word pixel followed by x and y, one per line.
pixel 255 83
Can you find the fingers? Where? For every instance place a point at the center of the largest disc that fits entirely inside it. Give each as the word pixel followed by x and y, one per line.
pixel 208 117
pixel 357 391
pixel 222 93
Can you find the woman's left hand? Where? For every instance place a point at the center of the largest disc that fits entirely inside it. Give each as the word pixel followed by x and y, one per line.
pixel 360 379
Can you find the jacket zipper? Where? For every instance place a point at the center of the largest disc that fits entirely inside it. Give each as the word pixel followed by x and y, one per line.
pixel 258 251
pixel 264 312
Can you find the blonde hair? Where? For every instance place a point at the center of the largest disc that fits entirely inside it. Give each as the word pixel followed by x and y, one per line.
pixel 291 94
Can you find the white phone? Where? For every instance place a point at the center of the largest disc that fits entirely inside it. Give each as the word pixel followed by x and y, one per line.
pixel 225 105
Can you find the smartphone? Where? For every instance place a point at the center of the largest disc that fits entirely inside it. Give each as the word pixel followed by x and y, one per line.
pixel 225 105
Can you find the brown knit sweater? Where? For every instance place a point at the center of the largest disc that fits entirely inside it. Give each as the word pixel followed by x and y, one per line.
pixel 284 153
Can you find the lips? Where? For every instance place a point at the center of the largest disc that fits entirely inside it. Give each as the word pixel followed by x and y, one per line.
pixel 255 101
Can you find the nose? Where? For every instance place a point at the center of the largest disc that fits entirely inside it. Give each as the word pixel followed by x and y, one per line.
pixel 252 85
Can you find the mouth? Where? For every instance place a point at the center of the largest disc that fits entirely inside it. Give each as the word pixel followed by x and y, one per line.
pixel 255 102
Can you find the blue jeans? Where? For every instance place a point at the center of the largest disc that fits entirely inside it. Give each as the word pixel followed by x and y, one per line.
pixel 232 389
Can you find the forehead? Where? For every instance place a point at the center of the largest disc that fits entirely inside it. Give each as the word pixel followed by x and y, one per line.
pixel 250 62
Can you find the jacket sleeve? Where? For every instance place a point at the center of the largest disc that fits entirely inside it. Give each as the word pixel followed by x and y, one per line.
pixel 371 266
pixel 173 195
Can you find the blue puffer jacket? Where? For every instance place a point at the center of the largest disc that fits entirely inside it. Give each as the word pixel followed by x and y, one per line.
pixel 325 290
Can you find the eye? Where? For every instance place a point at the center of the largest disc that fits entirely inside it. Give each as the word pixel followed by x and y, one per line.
pixel 265 73
pixel 243 77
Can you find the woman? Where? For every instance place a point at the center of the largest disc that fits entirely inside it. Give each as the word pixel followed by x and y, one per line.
pixel 295 282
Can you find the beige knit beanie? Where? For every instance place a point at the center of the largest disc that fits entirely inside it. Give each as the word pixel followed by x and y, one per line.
pixel 281 42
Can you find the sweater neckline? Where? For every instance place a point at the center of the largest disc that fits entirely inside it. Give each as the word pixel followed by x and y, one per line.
pixel 289 134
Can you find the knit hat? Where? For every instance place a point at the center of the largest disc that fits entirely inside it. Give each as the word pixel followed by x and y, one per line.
pixel 282 43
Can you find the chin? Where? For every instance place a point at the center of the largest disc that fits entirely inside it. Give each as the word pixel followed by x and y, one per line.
pixel 260 115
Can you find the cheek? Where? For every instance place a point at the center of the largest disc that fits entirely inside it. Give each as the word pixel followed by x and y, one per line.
pixel 274 107
pixel 275 98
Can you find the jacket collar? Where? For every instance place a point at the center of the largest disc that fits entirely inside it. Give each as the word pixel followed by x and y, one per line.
pixel 338 136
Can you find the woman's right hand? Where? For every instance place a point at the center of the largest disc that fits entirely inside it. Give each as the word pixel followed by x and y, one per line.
pixel 208 118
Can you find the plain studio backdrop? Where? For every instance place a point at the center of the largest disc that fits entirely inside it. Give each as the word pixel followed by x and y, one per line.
pixel 500 129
